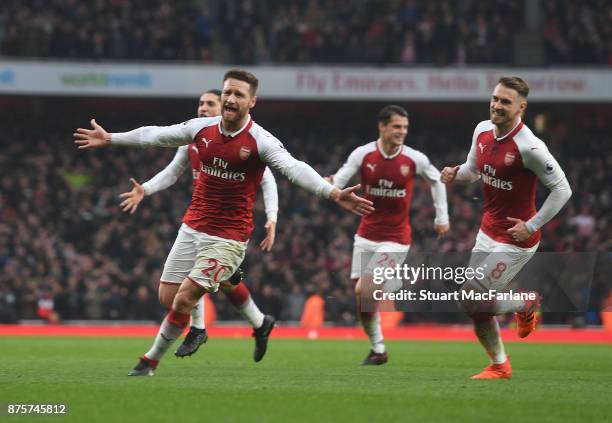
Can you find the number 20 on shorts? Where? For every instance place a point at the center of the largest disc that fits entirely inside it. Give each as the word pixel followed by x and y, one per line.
pixel 214 270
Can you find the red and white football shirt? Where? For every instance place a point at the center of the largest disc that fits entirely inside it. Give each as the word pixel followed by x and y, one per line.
pixel 387 181
pixel 509 168
pixel 232 165
pixel 187 155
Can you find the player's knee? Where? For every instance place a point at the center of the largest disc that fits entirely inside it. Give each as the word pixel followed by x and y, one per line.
pixel 165 300
pixel 187 297
pixel 166 294
pixel 183 303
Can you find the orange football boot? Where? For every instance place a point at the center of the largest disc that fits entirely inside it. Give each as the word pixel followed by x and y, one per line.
pixel 496 371
pixel 526 320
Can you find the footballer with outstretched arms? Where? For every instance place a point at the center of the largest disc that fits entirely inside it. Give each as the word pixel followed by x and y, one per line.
pixel 234 151
pixel 509 159
pixel 181 259
pixel 387 169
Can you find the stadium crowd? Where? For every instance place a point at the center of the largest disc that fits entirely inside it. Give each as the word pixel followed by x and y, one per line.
pixel 578 32
pixel 67 251
pixel 403 32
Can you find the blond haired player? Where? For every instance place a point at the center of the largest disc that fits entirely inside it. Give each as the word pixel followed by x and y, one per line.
pixel 509 159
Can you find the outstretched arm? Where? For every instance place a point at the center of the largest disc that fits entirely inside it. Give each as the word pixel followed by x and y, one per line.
pixel 146 136
pixel 92 138
pixel 168 177
pixel 132 198
pixel 348 169
pixel 276 156
pixel 159 182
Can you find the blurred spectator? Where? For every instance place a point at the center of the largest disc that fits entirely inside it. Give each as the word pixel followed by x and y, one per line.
pixel 294 304
pixel 8 313
pixel 584 222
pixel 314 312
pixel 144 305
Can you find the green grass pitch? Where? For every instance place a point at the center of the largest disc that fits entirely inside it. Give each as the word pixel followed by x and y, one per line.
pixel 299 380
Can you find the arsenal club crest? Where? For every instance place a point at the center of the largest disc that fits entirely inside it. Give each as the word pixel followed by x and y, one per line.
pixel 509 159
pixel 404 170
pixel 245 152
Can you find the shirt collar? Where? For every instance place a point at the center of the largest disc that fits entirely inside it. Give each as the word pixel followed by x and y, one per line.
pixel 233 134
pixel 510 133
pixel 385 155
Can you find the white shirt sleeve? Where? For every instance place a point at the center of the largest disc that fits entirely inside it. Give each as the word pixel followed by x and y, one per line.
pixel 170 174
pixel 273 153
pixel 349 168
pixel 162 136
pixel 428 171
pixel 468 171
pixel 538 159
pixel 270 194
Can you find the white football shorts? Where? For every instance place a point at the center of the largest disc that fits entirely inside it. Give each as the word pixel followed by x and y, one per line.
pixel 205 259
pixel 368 255
pixel 501 262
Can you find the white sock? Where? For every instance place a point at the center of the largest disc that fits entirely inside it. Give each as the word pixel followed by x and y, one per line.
pixel 371 325
pixel 168 333
pixel 251 312
pixel 487 331
pixel 197 314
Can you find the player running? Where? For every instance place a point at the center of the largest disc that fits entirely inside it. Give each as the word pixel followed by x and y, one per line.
pixel 234 152
pixel 387 169
pixel 181 259
pixel 509 159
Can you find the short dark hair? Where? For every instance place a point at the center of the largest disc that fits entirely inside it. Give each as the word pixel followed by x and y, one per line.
pixel 387 112
pixel 214 91
pixel 515 83
pixel 243 75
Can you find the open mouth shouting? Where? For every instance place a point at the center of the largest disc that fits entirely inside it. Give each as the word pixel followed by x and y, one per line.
pixel 229 110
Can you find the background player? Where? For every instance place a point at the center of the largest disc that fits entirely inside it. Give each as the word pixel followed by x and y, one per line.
pixel 509 159
pixel 181 258
pixel 234 152
pixel 387 168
